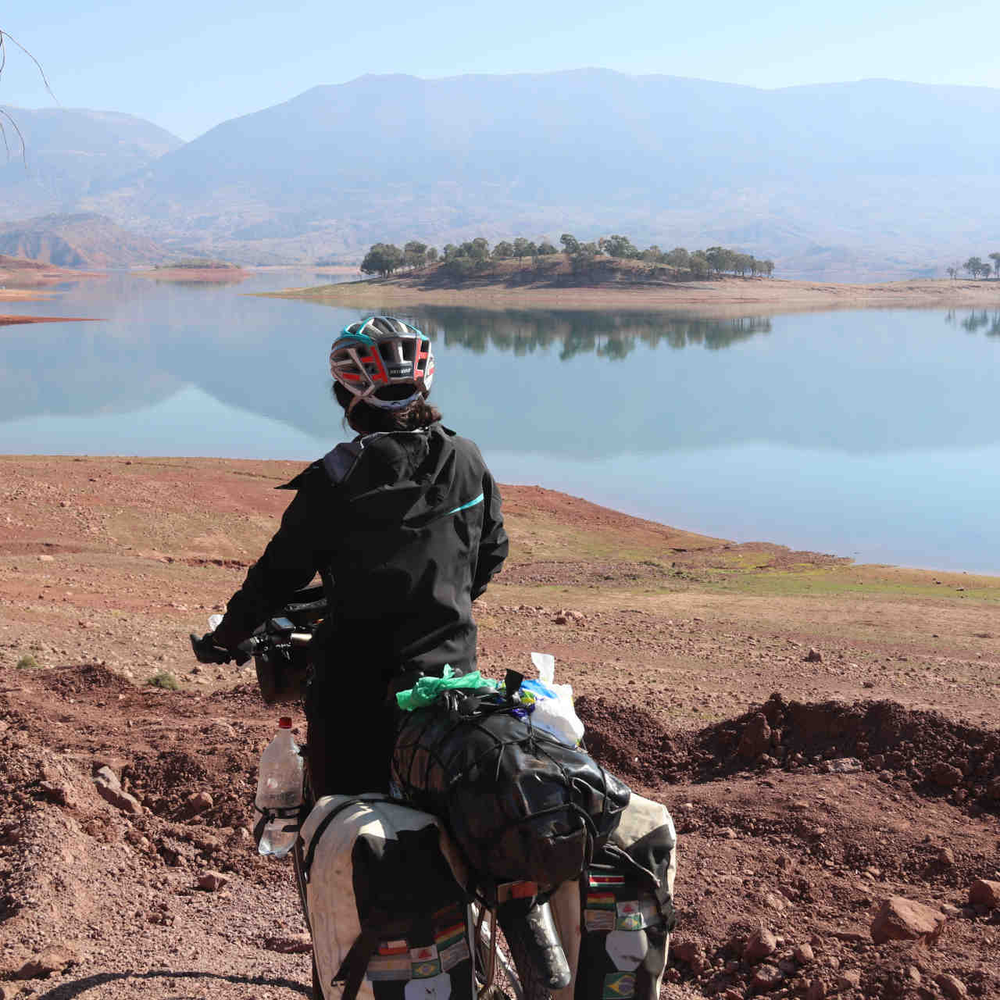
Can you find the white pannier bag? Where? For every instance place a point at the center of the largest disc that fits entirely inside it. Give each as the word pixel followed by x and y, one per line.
pixel 382 887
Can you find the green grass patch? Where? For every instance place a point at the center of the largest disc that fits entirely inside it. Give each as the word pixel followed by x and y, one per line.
pixel 163 679
pixel 28 662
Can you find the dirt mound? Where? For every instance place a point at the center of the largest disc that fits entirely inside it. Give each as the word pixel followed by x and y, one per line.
pixel 74 680
pixel 936 754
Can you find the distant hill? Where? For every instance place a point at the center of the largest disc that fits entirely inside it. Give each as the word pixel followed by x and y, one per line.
pixel 82 240
pixel 875 179
pixel 70 154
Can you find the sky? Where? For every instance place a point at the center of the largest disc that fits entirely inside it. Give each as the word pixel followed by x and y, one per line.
pixel 188 66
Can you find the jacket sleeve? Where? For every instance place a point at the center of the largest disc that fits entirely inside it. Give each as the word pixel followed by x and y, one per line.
pixel 493 543
pixel 289 562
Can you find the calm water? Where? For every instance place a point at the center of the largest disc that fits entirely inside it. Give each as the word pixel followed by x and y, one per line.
pixel 873 434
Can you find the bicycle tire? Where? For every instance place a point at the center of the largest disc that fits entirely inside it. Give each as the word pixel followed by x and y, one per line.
pixel 523 981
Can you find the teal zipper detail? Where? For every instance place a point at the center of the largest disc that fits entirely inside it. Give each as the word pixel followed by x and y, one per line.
pixel 466 506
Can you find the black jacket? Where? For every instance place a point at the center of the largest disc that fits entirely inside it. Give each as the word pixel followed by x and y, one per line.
pixel 405 531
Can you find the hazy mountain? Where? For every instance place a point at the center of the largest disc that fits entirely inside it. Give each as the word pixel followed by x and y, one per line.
pixel 82 240
pixel 69 154
pixel 868 179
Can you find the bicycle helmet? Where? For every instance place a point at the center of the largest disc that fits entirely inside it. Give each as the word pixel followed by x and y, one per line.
pixel 383 361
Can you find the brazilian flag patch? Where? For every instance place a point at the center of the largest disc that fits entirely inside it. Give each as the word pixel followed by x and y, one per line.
pixel 618 984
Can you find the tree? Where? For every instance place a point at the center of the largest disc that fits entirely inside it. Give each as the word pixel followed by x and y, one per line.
pixel 450 250
pixel 5 116
pixel 618 246
pixel 995 257
pixel 653 254
pixel 382 259
pixel 432 254
pixel 415 254
pixel 570 243
pixel 546 249
pixel 503 250
pixel 678 257
pixel 974 265
pixel 699 264
pixel 521 248
pixel 720 259
pixel 767 266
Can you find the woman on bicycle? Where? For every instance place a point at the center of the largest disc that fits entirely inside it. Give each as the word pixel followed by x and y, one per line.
pixel 403 525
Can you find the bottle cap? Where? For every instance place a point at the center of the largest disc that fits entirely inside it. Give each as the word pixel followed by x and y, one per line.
pixel 285 722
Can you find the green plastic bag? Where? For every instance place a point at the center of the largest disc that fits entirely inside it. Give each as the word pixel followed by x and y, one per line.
pixel 427 689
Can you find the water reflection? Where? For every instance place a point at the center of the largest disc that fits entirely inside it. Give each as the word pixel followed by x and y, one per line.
pixel 979 319
pixel 612 335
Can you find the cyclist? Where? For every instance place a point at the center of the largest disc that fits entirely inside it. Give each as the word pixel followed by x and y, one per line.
pixel 403 525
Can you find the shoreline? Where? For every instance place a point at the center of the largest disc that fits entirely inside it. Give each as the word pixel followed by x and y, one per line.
pixel 723 297
pixel 682 540
pixel 12 320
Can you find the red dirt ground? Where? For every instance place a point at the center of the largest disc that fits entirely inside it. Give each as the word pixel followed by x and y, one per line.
pixel 110 560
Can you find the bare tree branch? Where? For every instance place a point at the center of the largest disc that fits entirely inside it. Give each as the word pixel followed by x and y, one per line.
pixel 5 115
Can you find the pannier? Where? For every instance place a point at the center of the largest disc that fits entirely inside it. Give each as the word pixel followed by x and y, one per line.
pixel 519 804
pixel 619 948
pixel 387 914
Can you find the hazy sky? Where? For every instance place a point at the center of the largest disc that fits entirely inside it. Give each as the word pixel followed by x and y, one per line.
pixel 188 66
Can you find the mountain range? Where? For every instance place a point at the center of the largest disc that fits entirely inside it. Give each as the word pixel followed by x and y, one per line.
pixel 852 181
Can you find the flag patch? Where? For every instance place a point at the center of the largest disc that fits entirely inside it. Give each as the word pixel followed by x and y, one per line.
pixel 618 984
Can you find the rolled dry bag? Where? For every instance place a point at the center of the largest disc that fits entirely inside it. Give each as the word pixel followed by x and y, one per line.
pixel 518 804
pixel 388 916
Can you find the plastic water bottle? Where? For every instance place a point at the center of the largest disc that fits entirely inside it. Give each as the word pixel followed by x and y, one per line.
pixel 279 786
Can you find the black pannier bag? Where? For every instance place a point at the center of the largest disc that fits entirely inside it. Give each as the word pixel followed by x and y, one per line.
pixel 519 804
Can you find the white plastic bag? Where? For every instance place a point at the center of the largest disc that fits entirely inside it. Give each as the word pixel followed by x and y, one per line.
pixel 554 712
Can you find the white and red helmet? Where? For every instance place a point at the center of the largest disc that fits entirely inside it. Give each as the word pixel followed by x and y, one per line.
pixel 377 359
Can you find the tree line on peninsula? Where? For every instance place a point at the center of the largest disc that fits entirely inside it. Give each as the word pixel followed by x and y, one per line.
pixel 475 257
pixel 977 267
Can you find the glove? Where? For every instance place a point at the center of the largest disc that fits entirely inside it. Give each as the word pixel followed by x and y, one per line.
pixel 206 650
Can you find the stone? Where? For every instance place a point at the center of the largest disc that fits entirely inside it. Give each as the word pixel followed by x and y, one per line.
pixel 804 954
pixel 983 892
pixel 766 977
pixel 945 775
pixel 951 987
pixel 60 793
pixel 211 881
pixel 946 857
pixel 759 945
pixel 993 789
pixel 110 790
pixel 289 944
pixel 813 656
pixel 45 963
pixel 901 919
pixel 685 951
pixel 46 558
pixel 756 738
pixel 198 802
pixel 849 980
pixel 844 765
pixel 816 990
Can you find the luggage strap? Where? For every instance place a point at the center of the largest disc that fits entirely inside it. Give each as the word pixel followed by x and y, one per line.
pixel 266 815
pixel 352 970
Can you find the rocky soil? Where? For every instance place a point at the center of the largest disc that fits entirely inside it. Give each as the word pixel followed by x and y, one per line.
pixel 858 804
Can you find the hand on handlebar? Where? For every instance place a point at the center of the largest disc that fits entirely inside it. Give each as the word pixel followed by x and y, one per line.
pixel 206 651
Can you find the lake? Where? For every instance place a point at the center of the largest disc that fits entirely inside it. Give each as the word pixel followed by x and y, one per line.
pixel 871 433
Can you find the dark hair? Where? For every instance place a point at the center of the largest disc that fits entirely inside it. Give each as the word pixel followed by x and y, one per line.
pixel 367 419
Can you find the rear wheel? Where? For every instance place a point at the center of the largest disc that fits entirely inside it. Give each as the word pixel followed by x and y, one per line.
pixel 515 976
